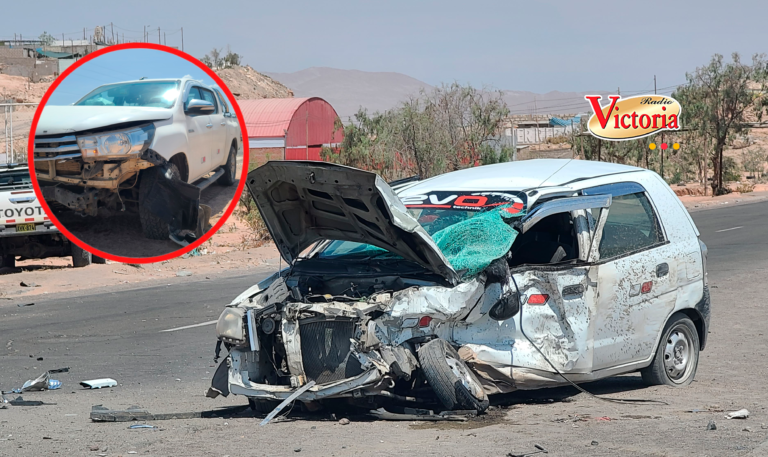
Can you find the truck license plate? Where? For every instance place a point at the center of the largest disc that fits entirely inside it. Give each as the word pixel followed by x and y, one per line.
pixel 25 228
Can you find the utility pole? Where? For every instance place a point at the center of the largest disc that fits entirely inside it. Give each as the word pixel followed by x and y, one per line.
pixel 158 36
pixel 618 90
pixel 654 84
pixel 182 39
pixel 165 41
pixel 145 34
pixel 112 27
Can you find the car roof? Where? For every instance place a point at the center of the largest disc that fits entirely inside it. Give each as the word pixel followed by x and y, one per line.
pixel 519 175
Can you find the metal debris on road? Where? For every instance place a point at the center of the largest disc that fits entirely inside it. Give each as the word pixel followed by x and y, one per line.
pixel 711 425
pixel 21 305
pixel 182 273
pixel 28 284
pixel 135 426
pixel 539 449
pixel 42 382
pixel 19 401
pixel 413 414
pixel 99 383
pixel 100 413
pixel 285 402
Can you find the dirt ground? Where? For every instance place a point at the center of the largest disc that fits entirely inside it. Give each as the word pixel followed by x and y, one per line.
pixel 121 234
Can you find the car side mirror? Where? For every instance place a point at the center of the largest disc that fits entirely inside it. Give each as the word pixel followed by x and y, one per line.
pixel 200 107
pixel 507 306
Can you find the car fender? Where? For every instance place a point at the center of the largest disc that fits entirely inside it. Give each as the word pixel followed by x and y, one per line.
pixel 170 138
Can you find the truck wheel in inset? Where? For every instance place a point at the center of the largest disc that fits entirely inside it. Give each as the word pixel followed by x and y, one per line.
pixel 80 257
pixel 230 168
pixel 677 356
pixel 152 226
pixel 453 382
pixel 8 261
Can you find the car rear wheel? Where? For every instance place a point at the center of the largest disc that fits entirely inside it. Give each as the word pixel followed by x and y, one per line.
pixel 677 356
pixel 80 257
pixel 230 168
pixel 455 385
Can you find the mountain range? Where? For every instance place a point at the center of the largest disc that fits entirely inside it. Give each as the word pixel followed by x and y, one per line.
pixel 349 90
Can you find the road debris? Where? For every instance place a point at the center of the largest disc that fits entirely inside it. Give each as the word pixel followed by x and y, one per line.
pixel 100 413
pixel 135 426
pixel 19 401
pixel 711 425
pixel 413 414
pixel 42 382
pixel 99 383
pixel 740 414
pixel 21 305
pixel 28 284
pixel 285 402
pixel 182 273
pixel 539 449
pixel 344 421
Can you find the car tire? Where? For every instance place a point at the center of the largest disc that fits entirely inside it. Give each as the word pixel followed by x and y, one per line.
pixel 455 385
pixel 230 168
pixel 80 257
pixel 262 406
pixel 8 261
pixel 152 226
pixel 677 356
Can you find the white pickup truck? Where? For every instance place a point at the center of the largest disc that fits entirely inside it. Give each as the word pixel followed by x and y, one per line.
pixel 147 145
pixel 25 229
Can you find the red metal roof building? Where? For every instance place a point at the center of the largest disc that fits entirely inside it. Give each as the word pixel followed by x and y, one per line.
pixel 289 128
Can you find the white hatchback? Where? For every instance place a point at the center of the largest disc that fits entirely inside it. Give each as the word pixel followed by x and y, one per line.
pixel 513 276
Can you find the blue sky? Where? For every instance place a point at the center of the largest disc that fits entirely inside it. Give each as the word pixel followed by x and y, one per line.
pixel 538 46
pixel 123 65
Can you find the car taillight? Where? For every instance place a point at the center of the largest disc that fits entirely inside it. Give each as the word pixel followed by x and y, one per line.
pixel 538 299
pixel 425 321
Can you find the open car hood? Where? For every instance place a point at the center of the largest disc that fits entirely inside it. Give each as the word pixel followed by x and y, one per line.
pixel 304 202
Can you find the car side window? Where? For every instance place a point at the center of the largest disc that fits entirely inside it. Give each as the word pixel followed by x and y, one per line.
pixel 209 97
pixel 631 226
pixel 194 94
pixel 223 100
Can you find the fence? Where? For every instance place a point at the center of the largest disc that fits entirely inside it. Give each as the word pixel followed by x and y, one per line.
pixel 536 135
pixel 17 119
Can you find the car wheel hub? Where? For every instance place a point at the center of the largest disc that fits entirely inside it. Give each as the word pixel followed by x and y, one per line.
pixel 466 379
pixel 678 354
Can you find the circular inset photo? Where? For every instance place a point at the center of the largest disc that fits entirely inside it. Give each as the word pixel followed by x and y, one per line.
pixel 138 153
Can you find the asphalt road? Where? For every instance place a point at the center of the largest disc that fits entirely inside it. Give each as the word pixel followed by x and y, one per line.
pixel 121 335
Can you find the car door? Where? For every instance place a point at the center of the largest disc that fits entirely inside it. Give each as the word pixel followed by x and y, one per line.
pixel 636 276
pixel 557 301
pixel 198 136
pixel 230 119
pixel 217 131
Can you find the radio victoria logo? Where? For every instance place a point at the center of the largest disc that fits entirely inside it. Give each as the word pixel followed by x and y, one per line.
pixel 633 117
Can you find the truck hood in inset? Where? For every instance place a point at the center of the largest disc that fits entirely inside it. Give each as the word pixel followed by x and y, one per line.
pixel 304 202
pixel 55 120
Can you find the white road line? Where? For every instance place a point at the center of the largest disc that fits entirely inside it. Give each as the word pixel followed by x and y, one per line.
pixel 727 230
pixel 189 326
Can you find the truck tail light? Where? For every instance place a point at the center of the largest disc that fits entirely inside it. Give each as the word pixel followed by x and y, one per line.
pixel 425 321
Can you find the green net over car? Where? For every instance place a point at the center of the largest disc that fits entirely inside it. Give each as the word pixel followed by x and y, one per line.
pixel 473 244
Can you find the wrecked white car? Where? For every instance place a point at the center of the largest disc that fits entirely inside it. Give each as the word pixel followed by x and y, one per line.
pixel 149 146
pixel 519 275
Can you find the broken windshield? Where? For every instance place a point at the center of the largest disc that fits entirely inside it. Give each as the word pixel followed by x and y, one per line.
pixel 469 236
pixel 158 94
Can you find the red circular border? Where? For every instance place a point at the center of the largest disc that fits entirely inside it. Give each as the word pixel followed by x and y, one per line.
pixel 31 146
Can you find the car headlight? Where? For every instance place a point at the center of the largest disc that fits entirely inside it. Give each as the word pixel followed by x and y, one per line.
pixel 230 327
pixel 118 143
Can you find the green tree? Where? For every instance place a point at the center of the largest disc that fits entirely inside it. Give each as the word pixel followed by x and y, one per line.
pixel 716 99
pixel 46 38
